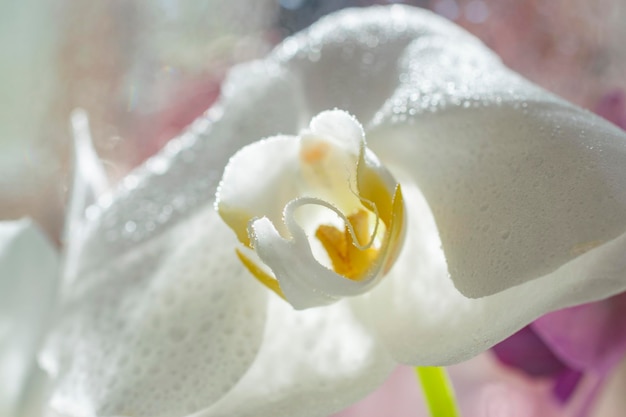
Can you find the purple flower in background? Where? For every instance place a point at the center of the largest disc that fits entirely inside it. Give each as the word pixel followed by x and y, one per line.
pixel 526 351
pixel 570 345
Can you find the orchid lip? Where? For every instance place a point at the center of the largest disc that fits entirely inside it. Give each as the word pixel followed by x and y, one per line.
pixel 326 219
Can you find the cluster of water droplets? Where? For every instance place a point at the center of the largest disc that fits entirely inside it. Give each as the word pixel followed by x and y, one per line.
pixel 436 74
pixel 163 331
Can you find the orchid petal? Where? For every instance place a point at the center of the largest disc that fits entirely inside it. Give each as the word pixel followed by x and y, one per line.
pixel 259 181
pixel 342 363
pixel 165 330
pixel 519 181
pixel 28 282
pixel 423 319
pixel 349 60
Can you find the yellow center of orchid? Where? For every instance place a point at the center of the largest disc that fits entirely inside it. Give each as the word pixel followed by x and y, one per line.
pixel 348 259
pixel 337 178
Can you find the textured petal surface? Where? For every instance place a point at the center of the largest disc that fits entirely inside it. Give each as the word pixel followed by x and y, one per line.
pixel 28 280
pixel 425 320
pixel 164 330
pixel 342 363
pixel 350 60
pixel 519 182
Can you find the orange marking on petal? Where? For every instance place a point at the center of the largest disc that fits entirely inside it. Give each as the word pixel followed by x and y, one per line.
pixel 314 152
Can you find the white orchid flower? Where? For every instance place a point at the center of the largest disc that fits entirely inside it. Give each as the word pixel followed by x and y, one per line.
pixel 502 201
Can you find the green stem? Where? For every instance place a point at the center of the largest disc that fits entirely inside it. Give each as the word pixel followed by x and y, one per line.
pixel 437 391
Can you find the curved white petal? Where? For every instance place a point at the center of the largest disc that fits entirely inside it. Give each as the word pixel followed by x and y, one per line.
pixel 519 181
pixel 312 363
pixel 340 128
pixel 424 320
pixel 28 282
pixel 304 281
pixel 349 60
pixel 259 181
pixel 164 330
